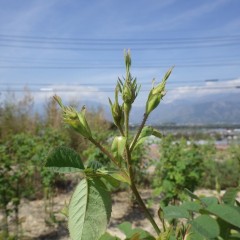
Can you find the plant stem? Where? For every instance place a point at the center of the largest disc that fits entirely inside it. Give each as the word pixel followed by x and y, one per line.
pixel 105 151
pixel 143 206
pixel 145 117
pixel 127 109
pixel 121 130
pixel 126 119
pixel 137 195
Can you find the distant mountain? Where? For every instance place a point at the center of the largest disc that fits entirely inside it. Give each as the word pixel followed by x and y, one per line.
pixel 207 109
pixel 211 109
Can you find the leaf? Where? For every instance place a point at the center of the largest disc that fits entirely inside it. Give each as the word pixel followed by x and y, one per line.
pixel 175 212
pixel 118 146
pixel 89 210
pixel 191 194
pixel 107 236
pixel 114 182
pixel 120 177
pixel 94 164
pixel 136 233
pixel 205 226
pixel 64 160
pixel 191 206
pixel 230 214
pixel 208 201
pixel 145 133
pixel 230 196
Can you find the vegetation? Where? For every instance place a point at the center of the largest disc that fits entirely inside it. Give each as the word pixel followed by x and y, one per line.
pixel 90 205
pixel 111 160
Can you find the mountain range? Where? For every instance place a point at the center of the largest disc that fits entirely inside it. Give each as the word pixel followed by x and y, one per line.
pixel 210 109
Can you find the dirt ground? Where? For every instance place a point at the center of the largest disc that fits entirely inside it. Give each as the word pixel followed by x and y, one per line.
pixel 35 227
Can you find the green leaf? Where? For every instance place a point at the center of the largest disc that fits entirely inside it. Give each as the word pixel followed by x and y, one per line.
pixel 107 236
pixel 138 233
pixel 175 212
pixel 230 196
pixel 64 160
pixel 191 206
pixel 114 182
pixel 145 133
pixel 226 212
pixel 118 146
pixel 191 194
pixel 94 164
pixel 89 210
pixel 208 201
pixel 157 134
pixel 120 176
pixel 205 226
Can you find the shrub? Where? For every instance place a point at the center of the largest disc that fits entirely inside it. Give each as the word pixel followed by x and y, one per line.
pixel 180 166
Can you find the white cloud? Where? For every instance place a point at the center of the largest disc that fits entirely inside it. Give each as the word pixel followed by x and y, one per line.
pixel 72 94
pixel 209 88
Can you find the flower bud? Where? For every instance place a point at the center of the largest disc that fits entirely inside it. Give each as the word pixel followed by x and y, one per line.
pixel 74 119
pixel 128 61
pixel 157 93
pixel 117 111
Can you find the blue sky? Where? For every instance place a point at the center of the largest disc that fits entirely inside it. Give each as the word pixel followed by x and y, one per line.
pixel 75 48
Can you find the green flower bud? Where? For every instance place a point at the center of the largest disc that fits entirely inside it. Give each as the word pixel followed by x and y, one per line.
pixel 84 129
pixel 74 119
pixel 128 61
pixel 117 111
pixel 129 89
pixel 118 146
pixel 157 93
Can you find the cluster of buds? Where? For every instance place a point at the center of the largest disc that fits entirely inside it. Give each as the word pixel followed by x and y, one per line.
pixel 129 89
pixel 117 110
pixel 76 120
pixel 157 93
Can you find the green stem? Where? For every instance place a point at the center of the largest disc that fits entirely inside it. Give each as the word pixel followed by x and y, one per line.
pixel 145 117
pixel 121 130
pixel 143 206
pixel 105 151
pixel 137 195
pixel 126 119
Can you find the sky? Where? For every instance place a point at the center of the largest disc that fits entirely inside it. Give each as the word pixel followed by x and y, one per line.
pixel 76 48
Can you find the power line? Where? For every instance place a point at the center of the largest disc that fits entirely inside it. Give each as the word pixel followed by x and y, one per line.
pixel 222 80
pixel 121 42
pixel 197 38
pixel 167 47
pixel 117 67
pixel 219 57
pixel 95 62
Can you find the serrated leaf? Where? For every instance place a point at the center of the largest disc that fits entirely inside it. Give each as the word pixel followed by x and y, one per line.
pixel 205 226
pixel 89 210
pixel 226 212
pixel 64 160
pixel 94 164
